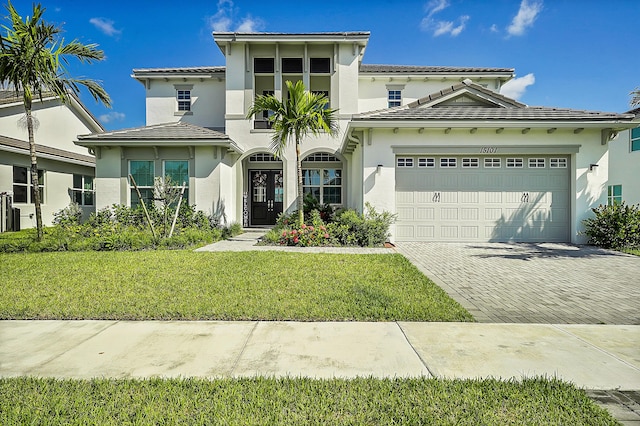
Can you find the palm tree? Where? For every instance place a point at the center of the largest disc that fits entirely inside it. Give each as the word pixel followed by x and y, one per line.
pixel 635 97
pixel 302 114
pixel 33 60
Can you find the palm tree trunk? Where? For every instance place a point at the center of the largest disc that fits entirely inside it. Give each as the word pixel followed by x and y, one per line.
pixel 34 172
pixel 299 167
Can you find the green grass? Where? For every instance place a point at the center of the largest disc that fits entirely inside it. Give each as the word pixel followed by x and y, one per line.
pixel 633 251
pixel 227 286
pixel 267 401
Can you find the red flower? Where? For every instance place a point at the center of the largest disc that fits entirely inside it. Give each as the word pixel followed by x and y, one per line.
pixel 295 240
pixel 326 235
pixel 311 228
pixel 284 233
pixel 304 225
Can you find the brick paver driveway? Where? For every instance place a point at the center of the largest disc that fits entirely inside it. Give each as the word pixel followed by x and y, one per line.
pixel 534 283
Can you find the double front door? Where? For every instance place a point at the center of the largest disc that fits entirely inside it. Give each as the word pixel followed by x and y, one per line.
pixel 267 195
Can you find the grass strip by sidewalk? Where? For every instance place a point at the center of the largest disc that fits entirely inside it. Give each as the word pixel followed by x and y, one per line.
pixel 185 285
pixel 295 401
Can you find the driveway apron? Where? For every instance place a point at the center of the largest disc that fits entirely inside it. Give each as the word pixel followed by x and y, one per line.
pixel 534 283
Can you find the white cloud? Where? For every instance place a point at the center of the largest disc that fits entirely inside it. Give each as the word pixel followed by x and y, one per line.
pixel 525 18
pixel 106 26
pixel 435 6
pixel 515 88
pixel 442 27
pixel 112 116
pixel 494 29
pixel 225 20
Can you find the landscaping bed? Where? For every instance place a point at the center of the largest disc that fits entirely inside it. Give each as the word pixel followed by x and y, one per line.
pixel 186 285
pixel 295 401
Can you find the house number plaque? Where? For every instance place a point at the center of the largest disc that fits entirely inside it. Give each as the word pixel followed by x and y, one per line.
pixel 488 150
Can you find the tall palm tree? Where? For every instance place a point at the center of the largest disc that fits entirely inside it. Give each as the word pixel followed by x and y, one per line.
pixel 635 97
pixel 33 60
pixel 300 115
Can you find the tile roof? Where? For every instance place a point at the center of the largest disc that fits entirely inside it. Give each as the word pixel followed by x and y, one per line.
pixel 166 131
pixel 161 134
pixel 412 69
pixel 11 96
pixel 59 154
pixel 181 70
pixel 504 108
pixel 478 113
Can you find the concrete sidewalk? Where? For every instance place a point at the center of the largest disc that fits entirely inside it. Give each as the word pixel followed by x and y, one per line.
pixel 590 356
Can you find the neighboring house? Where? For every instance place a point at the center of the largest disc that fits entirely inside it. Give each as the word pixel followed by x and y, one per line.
pixel 624 166
pixel 438 146
pixel 66 170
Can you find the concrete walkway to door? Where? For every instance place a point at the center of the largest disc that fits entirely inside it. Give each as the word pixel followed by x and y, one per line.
pixel 534 283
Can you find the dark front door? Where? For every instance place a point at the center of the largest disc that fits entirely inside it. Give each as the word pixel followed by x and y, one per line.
pixel 266 196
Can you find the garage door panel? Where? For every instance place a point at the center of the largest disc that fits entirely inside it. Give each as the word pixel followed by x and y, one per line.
pixel 484 203
pixel 469 214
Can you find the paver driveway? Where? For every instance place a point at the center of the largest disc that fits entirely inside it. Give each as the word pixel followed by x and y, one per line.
pixel 534 283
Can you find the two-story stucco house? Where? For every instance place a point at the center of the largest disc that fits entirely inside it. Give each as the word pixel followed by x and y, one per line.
pixel 66 170
pixel 438 146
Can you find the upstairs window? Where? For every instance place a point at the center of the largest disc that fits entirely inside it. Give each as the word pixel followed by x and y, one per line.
pixel 83 192
pixel 292 65
pixel 263 66
pixel 320 65
pixel 635 139
pixel 184 100
pixel 394 97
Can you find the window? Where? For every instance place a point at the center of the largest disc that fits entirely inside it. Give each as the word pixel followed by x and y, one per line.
pixel 492 163
pixel 469 163
pixel 325 185
pixel 536 163
pixel 83 192
pixel 395 98
pixel 448 162
pixel 263 157
pixel 184 100
pixel 635 139
pixel 143 173
pixel 292 65
pixel 178 171
pixel 515 163
pixel 404 162
pixel 426 162
pixel 614 194
pixel 320 65
pixel 263 65
pixel 23 188
pixel 558 163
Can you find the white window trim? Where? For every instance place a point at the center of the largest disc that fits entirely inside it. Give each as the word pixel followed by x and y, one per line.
pixel 492 163
pixel 322 186
pixel 28 185
pixel 558 163
pixel 448 163
pixel 83 191
pixel 516 163
pixel 404 162
pixel 471 163
pixel 427 162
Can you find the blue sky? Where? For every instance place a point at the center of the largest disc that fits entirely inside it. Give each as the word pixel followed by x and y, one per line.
pixel 567 53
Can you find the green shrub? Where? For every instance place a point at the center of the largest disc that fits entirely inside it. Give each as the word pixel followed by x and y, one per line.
pixel 616 226
pixel 68 216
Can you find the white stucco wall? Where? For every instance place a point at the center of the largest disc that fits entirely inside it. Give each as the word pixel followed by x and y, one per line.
pixel 58 182
pixel 624 167
pixel 207 102
pixel 57 125
pixel 372 91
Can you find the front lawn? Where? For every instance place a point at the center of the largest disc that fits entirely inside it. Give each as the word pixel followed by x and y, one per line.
pixel 295 401
pixel 186 285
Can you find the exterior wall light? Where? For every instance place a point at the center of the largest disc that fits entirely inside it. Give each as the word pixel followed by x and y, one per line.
pixel 379 169
pixel 592 167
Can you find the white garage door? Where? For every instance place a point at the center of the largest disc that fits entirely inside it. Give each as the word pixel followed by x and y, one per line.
pixel 500 198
